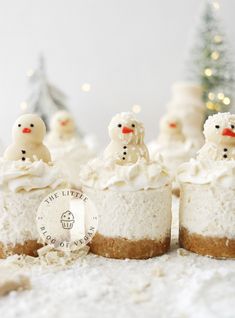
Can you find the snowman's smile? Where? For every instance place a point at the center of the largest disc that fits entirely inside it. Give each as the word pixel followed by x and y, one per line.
pixel 26 131
pixel 228 132
pixel 126 130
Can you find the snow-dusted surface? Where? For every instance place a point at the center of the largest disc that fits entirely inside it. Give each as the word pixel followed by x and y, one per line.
pixel 179 284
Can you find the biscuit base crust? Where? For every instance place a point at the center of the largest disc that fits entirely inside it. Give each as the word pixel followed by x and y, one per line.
pixel 207 245
pixel 29 247
pixel 122 248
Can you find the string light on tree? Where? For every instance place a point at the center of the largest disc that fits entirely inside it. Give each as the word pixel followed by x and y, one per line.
pixel 23 106
pixel 208 72
pixel 215 55
pixel 211 96
pixel 216 5
pixel 30 72
pixel 86 87
pixel 217 39
pixel 211 66
pixel 220 96
pixel 226 101
pixel 136 108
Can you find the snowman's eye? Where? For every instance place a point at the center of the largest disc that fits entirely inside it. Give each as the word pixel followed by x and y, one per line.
pixel 119 125
pixel 232 126
pixel 133 125
pixel 31 125
pixel 217 126
pixel 19 125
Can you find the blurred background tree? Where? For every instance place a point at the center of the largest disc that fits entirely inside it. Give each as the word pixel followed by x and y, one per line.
pixel 210 64
pixel 45 99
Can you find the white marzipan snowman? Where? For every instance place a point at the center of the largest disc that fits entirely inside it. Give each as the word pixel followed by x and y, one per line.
pixel 28 133
pixel 63 127
pixel 219 132
pixel 127 140
pixel 170 131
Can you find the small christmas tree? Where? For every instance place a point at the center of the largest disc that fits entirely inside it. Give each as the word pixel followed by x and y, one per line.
pixel 45 98
pixel 211 66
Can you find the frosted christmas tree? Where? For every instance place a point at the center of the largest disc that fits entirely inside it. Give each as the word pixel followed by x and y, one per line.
pixel 210 65
pixel 45 99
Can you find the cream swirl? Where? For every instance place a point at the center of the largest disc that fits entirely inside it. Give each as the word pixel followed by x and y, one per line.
pixel 208 172
pixel 18 175
pixel 142 175
pixel 73 149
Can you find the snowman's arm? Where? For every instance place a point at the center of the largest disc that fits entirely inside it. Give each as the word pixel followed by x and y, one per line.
pixel 107 151
pixel 208 151
pixel 11 153
pixel 233 154
pixel 46 154
pixel 145 152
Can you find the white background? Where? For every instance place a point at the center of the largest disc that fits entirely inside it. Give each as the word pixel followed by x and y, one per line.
pixel 130 51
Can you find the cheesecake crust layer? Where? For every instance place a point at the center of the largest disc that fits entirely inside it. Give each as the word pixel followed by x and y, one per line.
pixel 121 248
pixel 29 247
pixel 206 245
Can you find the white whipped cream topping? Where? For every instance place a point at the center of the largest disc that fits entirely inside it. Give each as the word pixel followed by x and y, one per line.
pixel 208 172
pixel 101 174
pixel 18 175
pixel 173 153
pixel 73 149
pixel 69 156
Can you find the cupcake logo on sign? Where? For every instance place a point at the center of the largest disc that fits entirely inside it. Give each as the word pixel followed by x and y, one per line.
pixel 67 219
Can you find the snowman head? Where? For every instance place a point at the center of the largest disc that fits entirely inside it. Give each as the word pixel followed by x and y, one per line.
pixel 126 129
pixel 63 122
pixel 29 128
pixel 220 129
pixel 170 125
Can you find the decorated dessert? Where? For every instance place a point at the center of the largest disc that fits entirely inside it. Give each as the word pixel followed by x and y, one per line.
pixel 172 145
pixel 207 203
pixel 187 105
pixel 132 195
pixel 68 150
pixel 27 176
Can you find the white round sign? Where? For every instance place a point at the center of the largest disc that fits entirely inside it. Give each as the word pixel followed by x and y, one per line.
pixel 67 219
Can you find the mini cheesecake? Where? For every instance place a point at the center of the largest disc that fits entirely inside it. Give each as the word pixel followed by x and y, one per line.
pixel 207 202
pixel 173 146
pixel 131 193
pixel 26 177
pixel 68 150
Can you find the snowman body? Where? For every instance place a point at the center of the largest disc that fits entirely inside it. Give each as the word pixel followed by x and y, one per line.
pixel 219 131
pixel 58 137
pixel 28 133
pixel 187 104
pixel 127 140
pixel 170 140
pixel 125 153
pixel 216 152
pixel 31 152
pixel 63 127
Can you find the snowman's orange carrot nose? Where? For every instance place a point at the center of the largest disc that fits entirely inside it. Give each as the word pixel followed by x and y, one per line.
pixel 26 131
pixel 228 132
pixel 126 130
pixel 64 122
pixel 172 125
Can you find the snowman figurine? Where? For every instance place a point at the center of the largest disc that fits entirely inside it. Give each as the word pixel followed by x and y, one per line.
pixel 63 127
pixel 127 140
pixel 219 132
pixel 28 133
pixel 170 131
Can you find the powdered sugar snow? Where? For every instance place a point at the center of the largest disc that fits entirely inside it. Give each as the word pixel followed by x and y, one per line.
pixel 178 284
